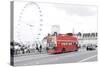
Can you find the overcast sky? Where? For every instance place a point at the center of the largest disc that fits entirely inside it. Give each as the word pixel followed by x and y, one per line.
pixel 67 16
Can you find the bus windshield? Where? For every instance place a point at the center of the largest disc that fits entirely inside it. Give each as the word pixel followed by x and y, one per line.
pixel 52 42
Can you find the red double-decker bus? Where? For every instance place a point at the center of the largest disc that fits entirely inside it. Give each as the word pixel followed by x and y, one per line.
pixel 62 43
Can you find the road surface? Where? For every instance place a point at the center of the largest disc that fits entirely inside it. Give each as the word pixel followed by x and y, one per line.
pixel 40 59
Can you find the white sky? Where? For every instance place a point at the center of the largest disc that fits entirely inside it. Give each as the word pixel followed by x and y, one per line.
pixel 81 18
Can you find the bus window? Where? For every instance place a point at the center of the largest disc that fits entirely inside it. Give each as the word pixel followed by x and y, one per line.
pixel 63 43
pixel 74 43
pixel 66 43
pixel 69 43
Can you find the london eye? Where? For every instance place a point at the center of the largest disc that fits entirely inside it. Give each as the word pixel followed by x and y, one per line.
pixel 30 23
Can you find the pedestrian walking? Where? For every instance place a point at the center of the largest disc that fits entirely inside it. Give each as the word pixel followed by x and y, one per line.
pixel 40 48
pixel 37 47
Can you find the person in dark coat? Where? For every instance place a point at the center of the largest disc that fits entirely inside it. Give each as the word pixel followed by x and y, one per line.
pixel 37 47
pixel 40 48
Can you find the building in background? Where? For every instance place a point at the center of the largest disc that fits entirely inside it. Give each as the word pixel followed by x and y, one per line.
pixel 86 39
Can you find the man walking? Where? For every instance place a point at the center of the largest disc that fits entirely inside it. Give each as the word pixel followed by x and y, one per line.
pixel 40 48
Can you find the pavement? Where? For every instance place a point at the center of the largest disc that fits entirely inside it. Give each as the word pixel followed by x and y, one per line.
pixel 33 52
pixel 45 58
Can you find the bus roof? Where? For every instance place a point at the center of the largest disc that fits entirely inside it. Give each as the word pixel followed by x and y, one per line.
pixel 64 37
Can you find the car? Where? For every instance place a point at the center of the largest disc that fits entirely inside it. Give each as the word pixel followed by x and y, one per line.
pixel 91 47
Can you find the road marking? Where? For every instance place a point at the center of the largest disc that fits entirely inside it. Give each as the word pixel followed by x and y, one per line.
pixel 61 58
pixel 88 58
